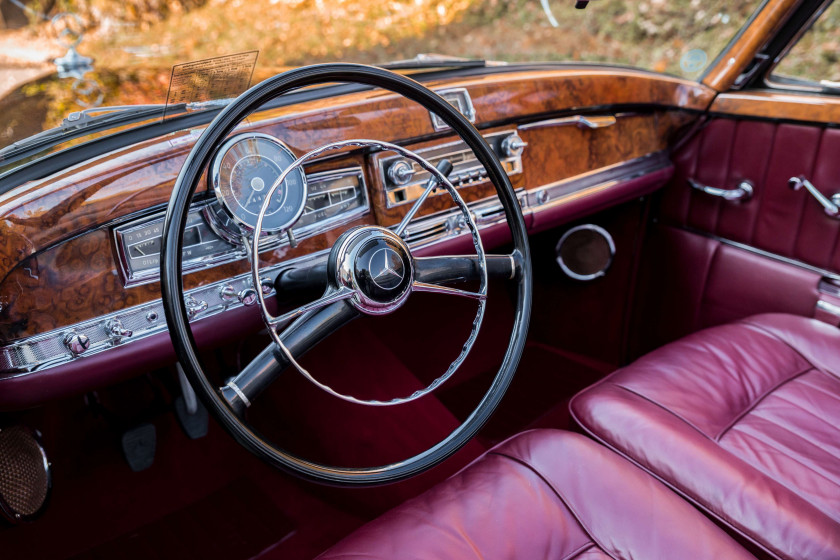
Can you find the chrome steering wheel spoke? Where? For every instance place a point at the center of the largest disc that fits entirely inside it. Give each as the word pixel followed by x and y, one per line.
pixel 372 292
pixel 438 289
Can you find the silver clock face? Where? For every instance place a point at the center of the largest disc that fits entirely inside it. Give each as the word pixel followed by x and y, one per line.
pixel 242 174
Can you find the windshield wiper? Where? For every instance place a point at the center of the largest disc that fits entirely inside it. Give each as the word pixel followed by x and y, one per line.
pixel 79 123
pixel 425 61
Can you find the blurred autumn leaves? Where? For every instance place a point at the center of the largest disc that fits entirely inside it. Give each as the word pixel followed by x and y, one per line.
pixel 652 34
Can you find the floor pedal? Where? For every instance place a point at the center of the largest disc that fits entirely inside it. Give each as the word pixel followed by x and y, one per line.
pixel 138 445
pixel 194 424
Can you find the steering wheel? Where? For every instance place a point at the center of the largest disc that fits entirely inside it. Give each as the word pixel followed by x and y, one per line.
pixel 370 271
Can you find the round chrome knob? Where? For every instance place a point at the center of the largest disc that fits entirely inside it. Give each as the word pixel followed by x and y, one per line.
pixel 266 285
pixel 513 145
pixel 227 293
pixel 401 172
pixel 248 296
pixel 76 343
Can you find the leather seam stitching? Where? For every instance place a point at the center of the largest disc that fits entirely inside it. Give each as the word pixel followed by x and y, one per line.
pixel 750 407
pixel 710 264
pixel 580 550
pixel 793 349
pixel 663 407
pixel 595 541
pixel 761 195
pixel 690 497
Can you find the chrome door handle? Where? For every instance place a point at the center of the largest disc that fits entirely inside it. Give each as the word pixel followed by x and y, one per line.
pixel 742 193
pixel 831 206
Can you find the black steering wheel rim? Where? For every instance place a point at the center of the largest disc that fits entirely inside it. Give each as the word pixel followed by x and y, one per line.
pixel 173 293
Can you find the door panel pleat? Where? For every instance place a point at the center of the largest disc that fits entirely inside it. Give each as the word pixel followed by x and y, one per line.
pixel 777 219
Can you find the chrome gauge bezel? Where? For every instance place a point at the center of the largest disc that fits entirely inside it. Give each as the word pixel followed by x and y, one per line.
pixel 214 178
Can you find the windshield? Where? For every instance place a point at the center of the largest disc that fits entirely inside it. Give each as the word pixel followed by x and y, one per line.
pixel 83 55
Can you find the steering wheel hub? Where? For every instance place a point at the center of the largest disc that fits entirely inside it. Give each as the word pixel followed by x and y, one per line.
pixel 376 264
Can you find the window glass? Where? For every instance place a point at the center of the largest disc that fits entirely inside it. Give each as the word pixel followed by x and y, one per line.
pixel 815 58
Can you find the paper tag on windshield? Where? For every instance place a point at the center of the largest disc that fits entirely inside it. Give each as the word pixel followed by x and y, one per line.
pixel 205 81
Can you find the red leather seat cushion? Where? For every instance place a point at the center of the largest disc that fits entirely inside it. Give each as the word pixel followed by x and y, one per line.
pixel 543 495
pixel 742 419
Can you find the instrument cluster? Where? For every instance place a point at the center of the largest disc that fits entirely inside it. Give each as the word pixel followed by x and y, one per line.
pixel 241 175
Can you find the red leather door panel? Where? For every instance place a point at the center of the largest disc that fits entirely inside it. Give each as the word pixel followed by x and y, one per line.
pixel 777 219
pixel 693 277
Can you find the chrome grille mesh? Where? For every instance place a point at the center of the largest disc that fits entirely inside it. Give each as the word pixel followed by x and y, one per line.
pixel 24 476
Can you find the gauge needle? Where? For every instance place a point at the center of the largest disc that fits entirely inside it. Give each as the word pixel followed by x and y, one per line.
pixel 248 200
pixel 142 254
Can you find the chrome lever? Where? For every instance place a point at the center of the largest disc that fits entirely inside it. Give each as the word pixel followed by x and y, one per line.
pixel 831 206
pixel 596 121
pixel 742 193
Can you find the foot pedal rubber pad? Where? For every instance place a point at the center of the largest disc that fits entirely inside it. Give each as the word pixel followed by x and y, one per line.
pixel 138 445
pixel 195 424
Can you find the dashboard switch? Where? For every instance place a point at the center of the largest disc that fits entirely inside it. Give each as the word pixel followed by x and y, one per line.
pixel 115 329
pixel 76 343
pixel 266 285
pixel 513 145
pixel 194 306
pixel 227 293
pixel 248 297
pixel 400 172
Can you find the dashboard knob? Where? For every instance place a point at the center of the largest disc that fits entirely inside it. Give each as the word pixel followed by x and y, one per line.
pixel 401 171
pixel 248 297
pixel 266 285
pixel 115 329
pixel 194 306
pixel 513 145
pixel 76 343
pixel 227 293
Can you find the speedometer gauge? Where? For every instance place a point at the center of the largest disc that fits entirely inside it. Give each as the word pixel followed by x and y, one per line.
pixel 243 172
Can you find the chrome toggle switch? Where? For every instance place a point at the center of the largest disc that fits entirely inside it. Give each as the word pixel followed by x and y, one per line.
pixel 76 343
pixel 115 329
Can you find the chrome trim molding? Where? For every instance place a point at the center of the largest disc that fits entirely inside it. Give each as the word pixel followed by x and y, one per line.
pixel 586 277
pixel 47 350
pixel 582 121
pixel 762 253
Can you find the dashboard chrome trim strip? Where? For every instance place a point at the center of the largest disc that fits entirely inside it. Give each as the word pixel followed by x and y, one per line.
pixel 47 350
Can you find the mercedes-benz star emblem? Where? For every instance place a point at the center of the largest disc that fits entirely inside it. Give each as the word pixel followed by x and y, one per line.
pixel 386 268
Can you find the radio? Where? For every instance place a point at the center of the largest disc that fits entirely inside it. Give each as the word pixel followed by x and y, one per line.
pixel 405 181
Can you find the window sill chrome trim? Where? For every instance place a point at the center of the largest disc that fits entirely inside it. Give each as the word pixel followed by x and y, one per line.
pixel 762 253
pixel 27 356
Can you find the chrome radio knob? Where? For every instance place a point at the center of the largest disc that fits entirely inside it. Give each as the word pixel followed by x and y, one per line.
pixel 266 285
pixel 227 293
pixel 248 297
pixel 400 172
pixel 513 145
pixel 76 343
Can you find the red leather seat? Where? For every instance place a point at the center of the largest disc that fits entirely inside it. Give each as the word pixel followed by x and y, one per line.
pixel 743 420
pixel 543 495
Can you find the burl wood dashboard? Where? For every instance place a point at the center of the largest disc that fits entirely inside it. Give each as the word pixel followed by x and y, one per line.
pixel 589 134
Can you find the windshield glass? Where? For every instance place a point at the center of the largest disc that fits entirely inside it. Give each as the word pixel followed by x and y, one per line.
pixel 79 55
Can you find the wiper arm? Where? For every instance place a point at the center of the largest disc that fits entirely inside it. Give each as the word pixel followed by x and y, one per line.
pixel 430 60
pixel 94 119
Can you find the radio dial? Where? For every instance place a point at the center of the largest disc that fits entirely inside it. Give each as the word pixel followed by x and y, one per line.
pixel 401 172
pixel 513 145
